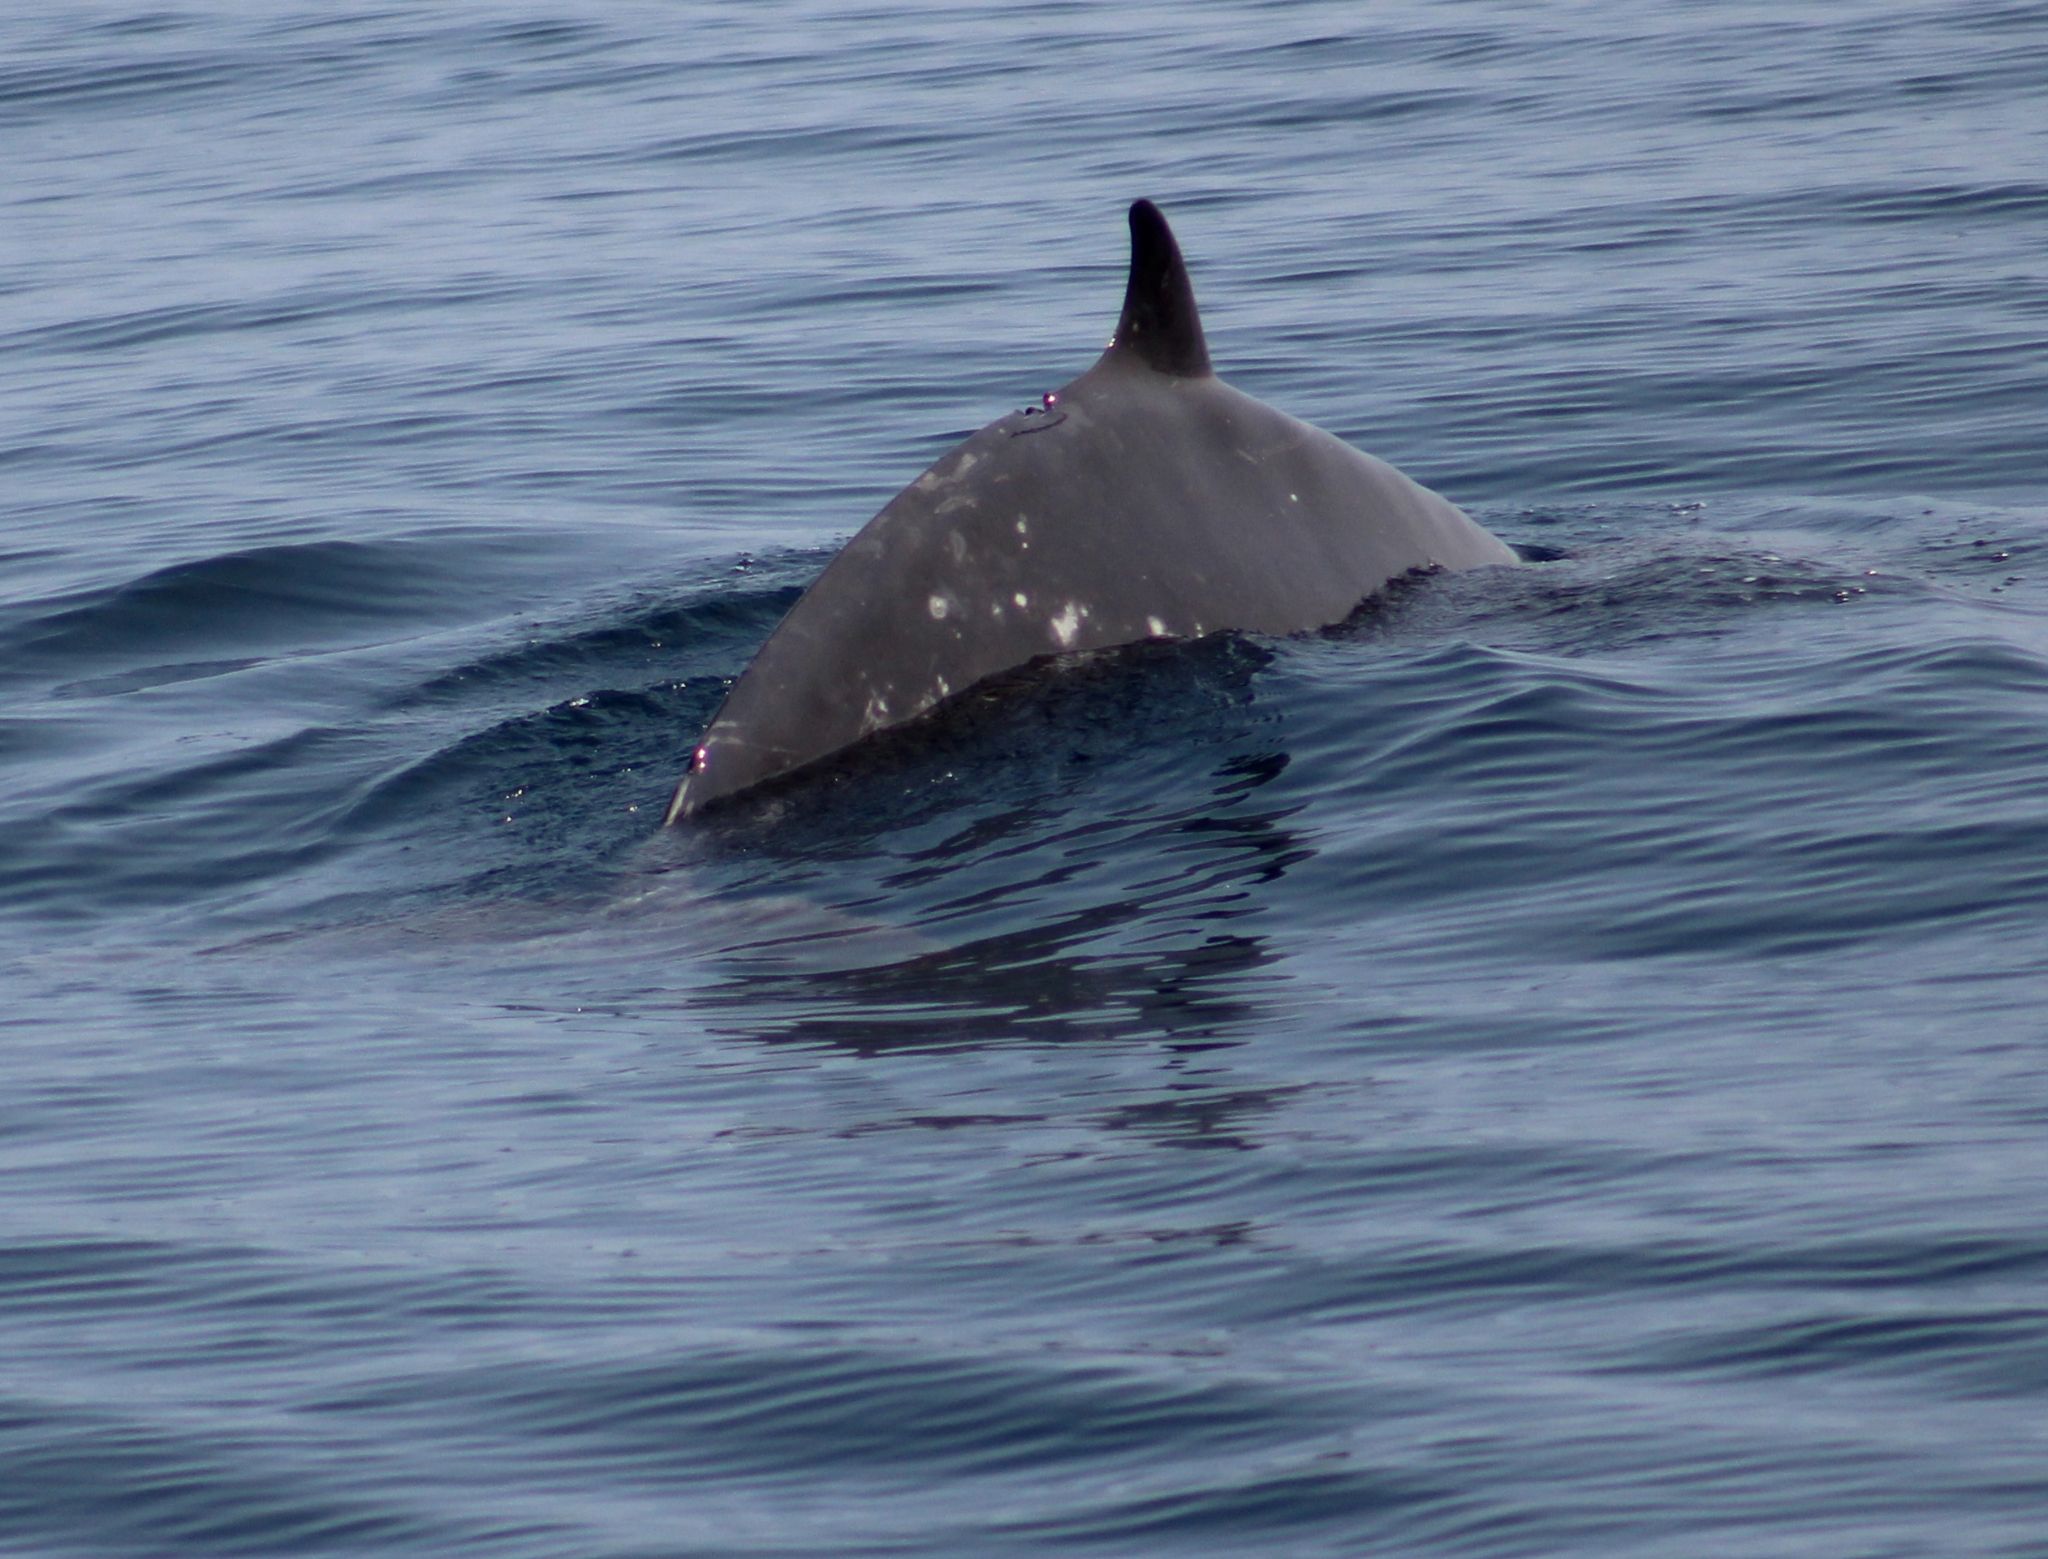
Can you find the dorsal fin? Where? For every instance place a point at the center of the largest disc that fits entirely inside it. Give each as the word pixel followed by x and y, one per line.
pixel 1159 324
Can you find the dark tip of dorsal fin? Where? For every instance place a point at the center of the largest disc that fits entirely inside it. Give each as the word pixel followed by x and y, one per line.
pixel 1159 324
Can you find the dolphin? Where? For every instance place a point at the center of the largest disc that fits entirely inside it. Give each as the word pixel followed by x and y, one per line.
pixel 1146 499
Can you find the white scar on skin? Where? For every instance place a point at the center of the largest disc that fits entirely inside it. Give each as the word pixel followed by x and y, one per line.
pixel 1067 624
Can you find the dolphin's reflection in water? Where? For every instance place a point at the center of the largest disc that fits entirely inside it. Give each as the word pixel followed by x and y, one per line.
pixel 1127 929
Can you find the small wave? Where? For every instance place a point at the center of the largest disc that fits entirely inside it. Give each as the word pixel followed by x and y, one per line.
pixel 110 1482
pixel 120 1477
pixel 1738 801
pixel 122 330
pixel 740 1411
pixel 1986 1351
pixel 291 598
pixel 566 770
pixel 713 626
pixel 33 89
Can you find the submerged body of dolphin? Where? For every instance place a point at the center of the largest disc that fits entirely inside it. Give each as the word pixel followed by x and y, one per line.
pixel 1146 499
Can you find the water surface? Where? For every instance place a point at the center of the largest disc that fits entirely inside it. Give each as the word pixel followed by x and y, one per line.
pixel 1551 1066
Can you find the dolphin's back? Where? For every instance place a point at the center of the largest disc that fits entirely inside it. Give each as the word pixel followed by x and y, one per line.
pixel 1145 499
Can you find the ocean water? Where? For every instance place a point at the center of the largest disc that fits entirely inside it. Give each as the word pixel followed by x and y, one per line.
pixel 1555 1065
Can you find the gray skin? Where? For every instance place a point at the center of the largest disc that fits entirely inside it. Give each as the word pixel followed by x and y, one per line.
pixel 1145 500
